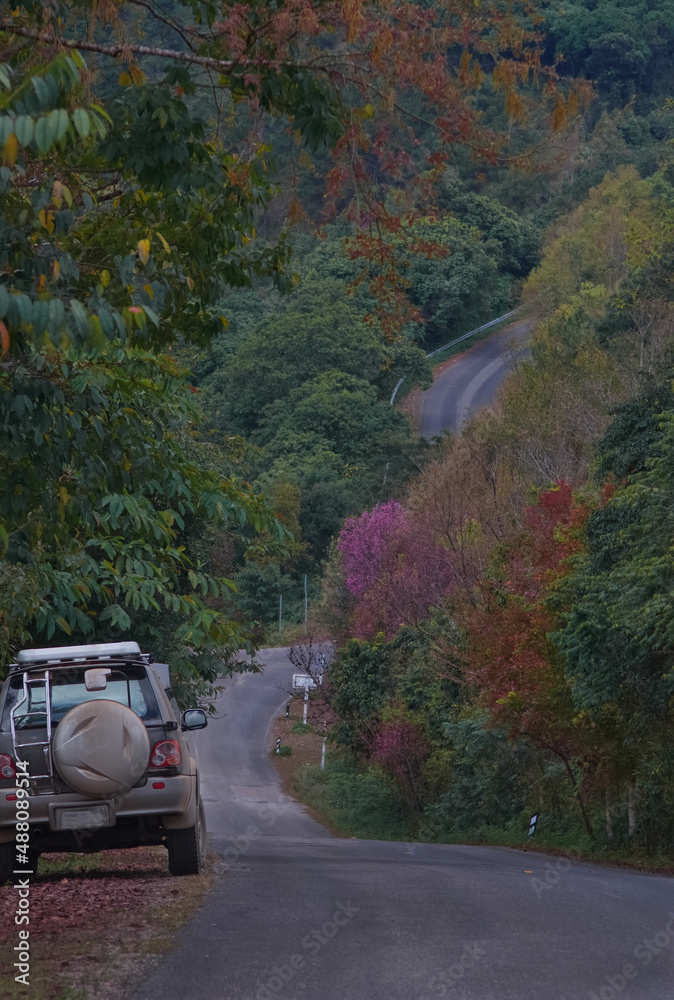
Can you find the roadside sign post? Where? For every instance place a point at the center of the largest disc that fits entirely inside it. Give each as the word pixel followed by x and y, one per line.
pixel 304 682
pixel 532 824
pixel 278 745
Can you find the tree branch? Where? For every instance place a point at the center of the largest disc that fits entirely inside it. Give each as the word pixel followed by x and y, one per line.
pixel 48 38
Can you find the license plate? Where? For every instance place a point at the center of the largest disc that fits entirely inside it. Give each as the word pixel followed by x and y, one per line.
pixel 84 819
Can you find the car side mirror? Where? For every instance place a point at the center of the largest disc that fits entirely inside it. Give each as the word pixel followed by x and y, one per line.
pixel 193 718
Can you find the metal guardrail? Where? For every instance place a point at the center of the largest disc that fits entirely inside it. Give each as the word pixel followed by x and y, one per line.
pixel 465 336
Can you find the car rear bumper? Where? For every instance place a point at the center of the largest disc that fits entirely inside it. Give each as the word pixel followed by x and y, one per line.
pixel 174 805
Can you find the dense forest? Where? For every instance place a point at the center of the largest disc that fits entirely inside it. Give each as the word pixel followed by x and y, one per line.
pixel 214 270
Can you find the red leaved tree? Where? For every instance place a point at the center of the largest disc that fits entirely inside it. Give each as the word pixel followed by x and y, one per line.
pixel 510 657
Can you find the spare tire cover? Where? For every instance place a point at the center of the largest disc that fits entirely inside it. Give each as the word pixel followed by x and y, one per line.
pixel 101 748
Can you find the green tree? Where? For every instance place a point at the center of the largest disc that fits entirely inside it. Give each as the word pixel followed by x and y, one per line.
pixel 102 265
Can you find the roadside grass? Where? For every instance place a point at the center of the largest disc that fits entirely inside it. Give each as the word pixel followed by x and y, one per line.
pixel 365 804
pixel 354 803
pixel 301 727
pixel 97 922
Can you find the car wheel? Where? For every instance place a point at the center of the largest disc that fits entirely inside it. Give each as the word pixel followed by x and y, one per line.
pixel 187 848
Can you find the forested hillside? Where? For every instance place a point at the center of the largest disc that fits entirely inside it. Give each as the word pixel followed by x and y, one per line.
pixel 225 235
pixel 511 612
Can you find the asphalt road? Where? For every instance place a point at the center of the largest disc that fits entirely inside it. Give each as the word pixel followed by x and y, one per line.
pixel 471 382
pixel 302 915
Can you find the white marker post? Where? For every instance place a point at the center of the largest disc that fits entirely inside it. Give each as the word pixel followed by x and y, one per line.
pixel 305 681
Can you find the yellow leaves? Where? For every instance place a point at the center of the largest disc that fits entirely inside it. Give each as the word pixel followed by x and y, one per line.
pixel 367 111
pixel 559 115
pixel 225 322
pixel 382 43
pixel 65 496
pixel 10 150
pixel 41 283
pixel 478 75
pixel 354 17
pixel 514 106
pixel 47 219
pixel 149 291
pixel 55 271
pixel 60 193
pixel 105 277
pixel 305 161
pixel 163 242
pixel 133 76
pixel 190 282
pixel 144 250
pixel 4 339
pixel 295 212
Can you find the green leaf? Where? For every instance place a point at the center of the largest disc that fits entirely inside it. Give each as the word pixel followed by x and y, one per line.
pixel 59 121
pixel 6 128
pixel 24 129
pixel 44 135
pixel 81 122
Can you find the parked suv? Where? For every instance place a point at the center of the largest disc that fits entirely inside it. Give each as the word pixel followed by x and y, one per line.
pixel 108 759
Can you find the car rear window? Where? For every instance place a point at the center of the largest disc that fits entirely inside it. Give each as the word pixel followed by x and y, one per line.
pixel 68 689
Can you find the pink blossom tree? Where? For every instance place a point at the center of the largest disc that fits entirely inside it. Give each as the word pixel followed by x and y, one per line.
pixel 395 568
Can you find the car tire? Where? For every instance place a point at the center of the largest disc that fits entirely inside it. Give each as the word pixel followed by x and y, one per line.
pixel 187 848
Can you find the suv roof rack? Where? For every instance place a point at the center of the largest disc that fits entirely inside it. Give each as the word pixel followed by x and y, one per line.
pixel 74 654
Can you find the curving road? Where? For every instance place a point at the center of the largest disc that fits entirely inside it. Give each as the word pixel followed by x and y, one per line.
pixel 301 915
pixel 471 382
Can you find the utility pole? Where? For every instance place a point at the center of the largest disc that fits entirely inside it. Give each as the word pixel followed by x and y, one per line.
pixel 280 614
pixel 306 603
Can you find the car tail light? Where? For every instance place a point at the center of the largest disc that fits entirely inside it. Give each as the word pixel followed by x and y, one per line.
pixel 166 754
pixel 7 769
